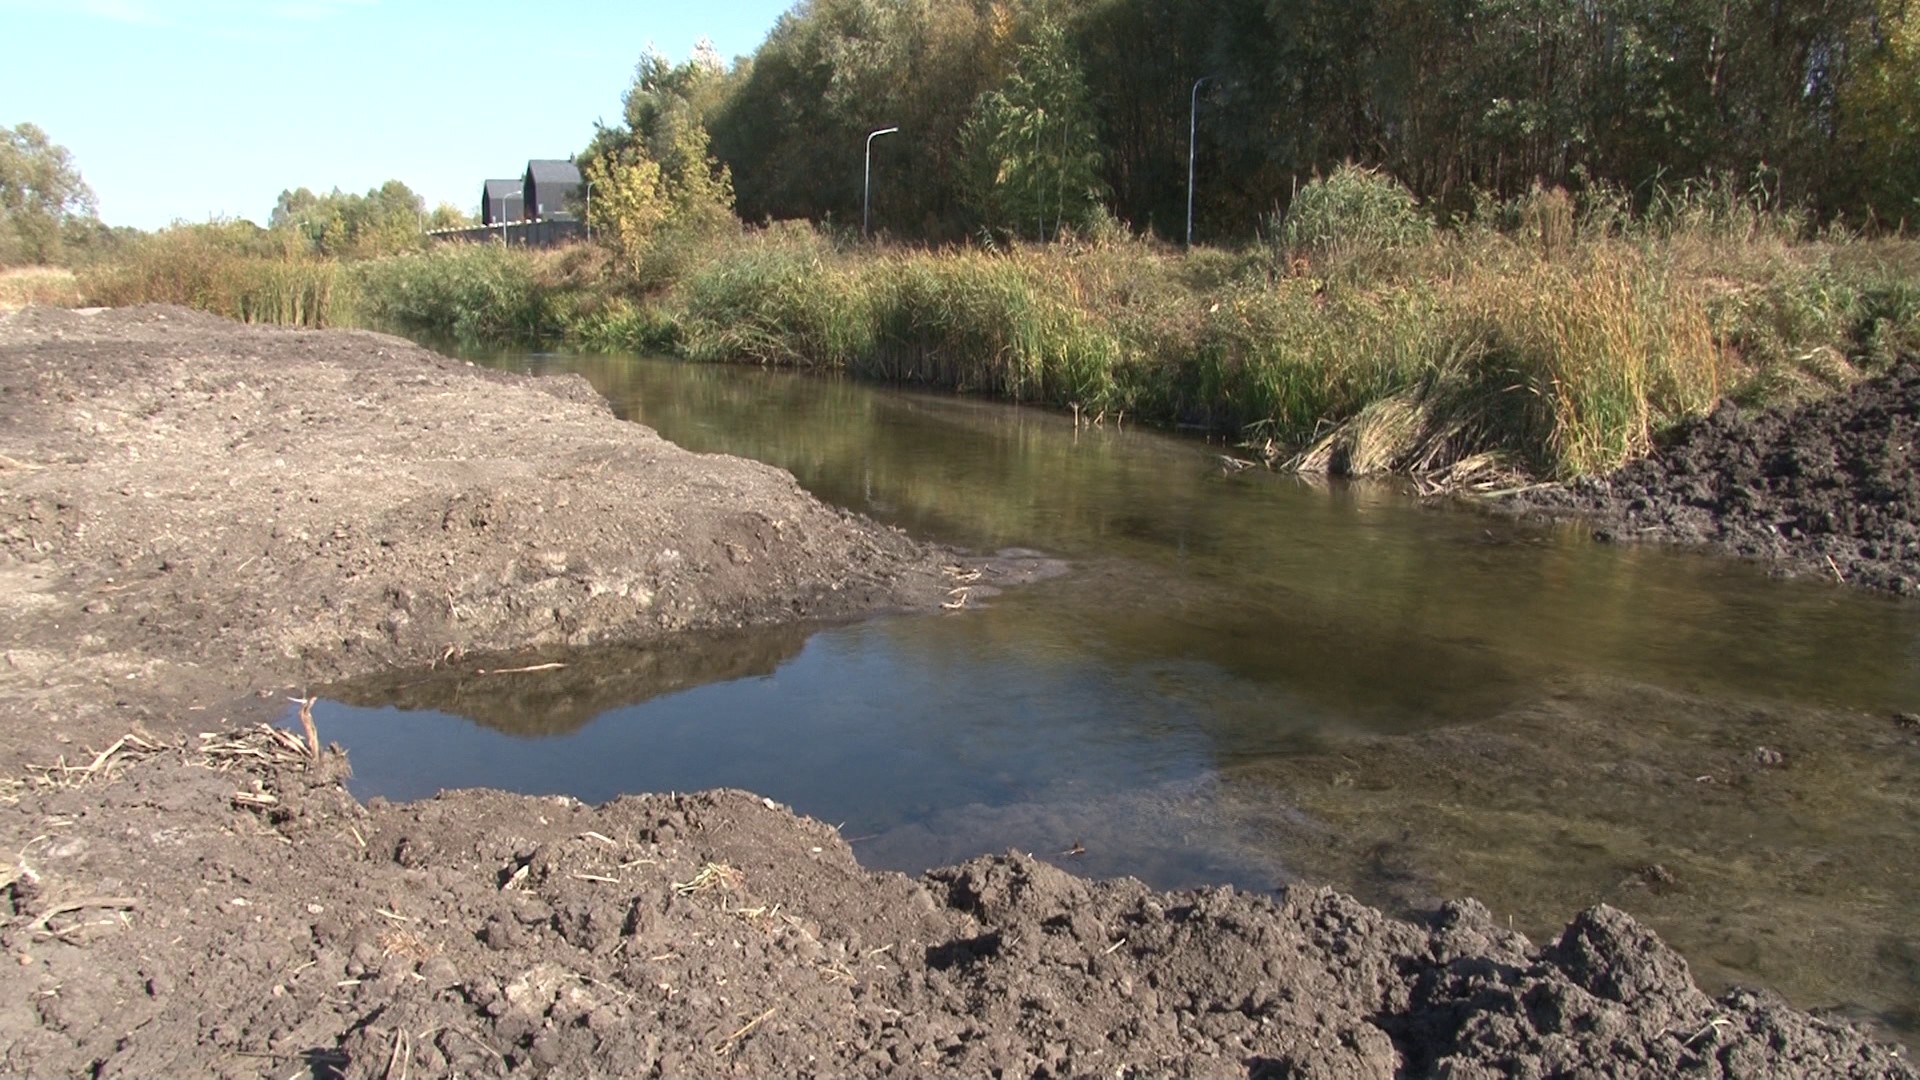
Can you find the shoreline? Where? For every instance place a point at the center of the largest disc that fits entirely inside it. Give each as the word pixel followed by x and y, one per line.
pixel 1826 488
pixel 191 511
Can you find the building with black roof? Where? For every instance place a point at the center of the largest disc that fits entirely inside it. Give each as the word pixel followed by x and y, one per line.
pixel 551 191
pixel 501 201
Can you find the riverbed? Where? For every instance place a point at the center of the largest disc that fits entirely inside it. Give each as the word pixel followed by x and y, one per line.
pixel 1254 679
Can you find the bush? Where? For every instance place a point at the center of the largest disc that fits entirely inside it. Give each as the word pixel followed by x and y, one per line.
pixel 1353 210
pixel 472 292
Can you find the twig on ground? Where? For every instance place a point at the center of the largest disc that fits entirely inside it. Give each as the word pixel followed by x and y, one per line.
pixel 61 774
pixel 727 1046
pixel 306 724
pixel 400 1042
pixel 711 876
pixel 122 903
pixel 519 670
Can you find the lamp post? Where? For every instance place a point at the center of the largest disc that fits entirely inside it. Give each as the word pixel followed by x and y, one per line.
pixel 1193 131
pixel 866 197
pixel 589 211
pixel 504 196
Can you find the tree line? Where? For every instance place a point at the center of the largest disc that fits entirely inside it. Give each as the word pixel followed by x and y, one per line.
pixel 1020 117
pixel 1024 118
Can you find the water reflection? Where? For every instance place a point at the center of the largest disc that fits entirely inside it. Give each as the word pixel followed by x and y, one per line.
pixel 1250 678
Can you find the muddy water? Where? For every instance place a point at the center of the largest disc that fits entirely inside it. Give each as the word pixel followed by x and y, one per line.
pixel 1256 680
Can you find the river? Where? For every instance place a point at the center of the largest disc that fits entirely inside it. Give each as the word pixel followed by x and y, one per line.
pixel 1254 679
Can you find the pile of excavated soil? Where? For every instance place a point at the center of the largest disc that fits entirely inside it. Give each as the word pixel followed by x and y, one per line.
pixel 1827 488
pixel 192 510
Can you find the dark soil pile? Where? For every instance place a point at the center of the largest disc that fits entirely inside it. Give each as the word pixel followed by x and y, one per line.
pixel 1827 488
pixel 191 510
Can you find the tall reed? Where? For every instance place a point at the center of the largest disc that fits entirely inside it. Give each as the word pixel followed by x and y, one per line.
pixel 221 269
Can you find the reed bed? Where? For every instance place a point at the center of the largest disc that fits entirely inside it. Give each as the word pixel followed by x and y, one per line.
pixel 38 286
pixel 229 270
pixel 1550 362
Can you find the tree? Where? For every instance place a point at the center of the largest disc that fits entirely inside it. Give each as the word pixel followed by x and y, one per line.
pixel 1881 109
pixel 1033 153
pixel 449 216
pixel 630 204
pixel 656 172
pixel 386 220
pixel 42 197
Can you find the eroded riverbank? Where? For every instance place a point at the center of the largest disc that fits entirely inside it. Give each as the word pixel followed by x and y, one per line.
pixel 247 509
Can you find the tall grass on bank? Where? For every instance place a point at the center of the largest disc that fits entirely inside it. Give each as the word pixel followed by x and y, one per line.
pixel 779 298
pixel 1558 372
pixel 471 292
pixel 38 286
pixel 218 268
pixel 1551 335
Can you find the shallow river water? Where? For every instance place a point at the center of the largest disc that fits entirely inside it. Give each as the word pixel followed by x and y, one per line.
pixel 1252 679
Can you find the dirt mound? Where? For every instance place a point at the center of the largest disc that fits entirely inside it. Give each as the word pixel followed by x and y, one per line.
pixel 191 509
pixel 272 921
pixel 1828 488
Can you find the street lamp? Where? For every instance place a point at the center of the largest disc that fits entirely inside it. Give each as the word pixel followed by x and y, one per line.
pixel 589 211
pixel 504 196
pixel 866 198
pixel 1193 131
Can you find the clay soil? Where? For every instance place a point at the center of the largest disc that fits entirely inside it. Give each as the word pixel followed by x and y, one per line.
pixel 193 514
pixel 1828 488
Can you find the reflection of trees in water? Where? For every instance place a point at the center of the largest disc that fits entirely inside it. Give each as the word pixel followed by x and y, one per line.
pixel 593 682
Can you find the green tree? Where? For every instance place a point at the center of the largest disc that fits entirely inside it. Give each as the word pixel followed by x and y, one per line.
pixel 449 216
pixel 43 199
pixel 630 204
pixel 1033 152
pixel 1881 110
pixel 386 220
pixel 664 111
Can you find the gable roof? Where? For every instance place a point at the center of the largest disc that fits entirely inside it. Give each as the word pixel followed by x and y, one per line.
pixel 497 190
pixel 559 173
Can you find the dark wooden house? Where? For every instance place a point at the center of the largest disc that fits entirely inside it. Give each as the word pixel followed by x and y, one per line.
pixel 552 191
pixel 501 201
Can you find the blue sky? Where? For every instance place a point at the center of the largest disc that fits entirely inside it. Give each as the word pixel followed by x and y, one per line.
pixel 191 109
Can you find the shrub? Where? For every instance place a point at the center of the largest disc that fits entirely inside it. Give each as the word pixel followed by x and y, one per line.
pixel 1355 209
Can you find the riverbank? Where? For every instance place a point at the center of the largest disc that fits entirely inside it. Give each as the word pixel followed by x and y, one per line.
pixel 217 511
pixel 1550 336
pixel 1826 488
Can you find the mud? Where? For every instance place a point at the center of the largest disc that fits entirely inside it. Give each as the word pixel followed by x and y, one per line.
pixel 192 512
pixel 1828 488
